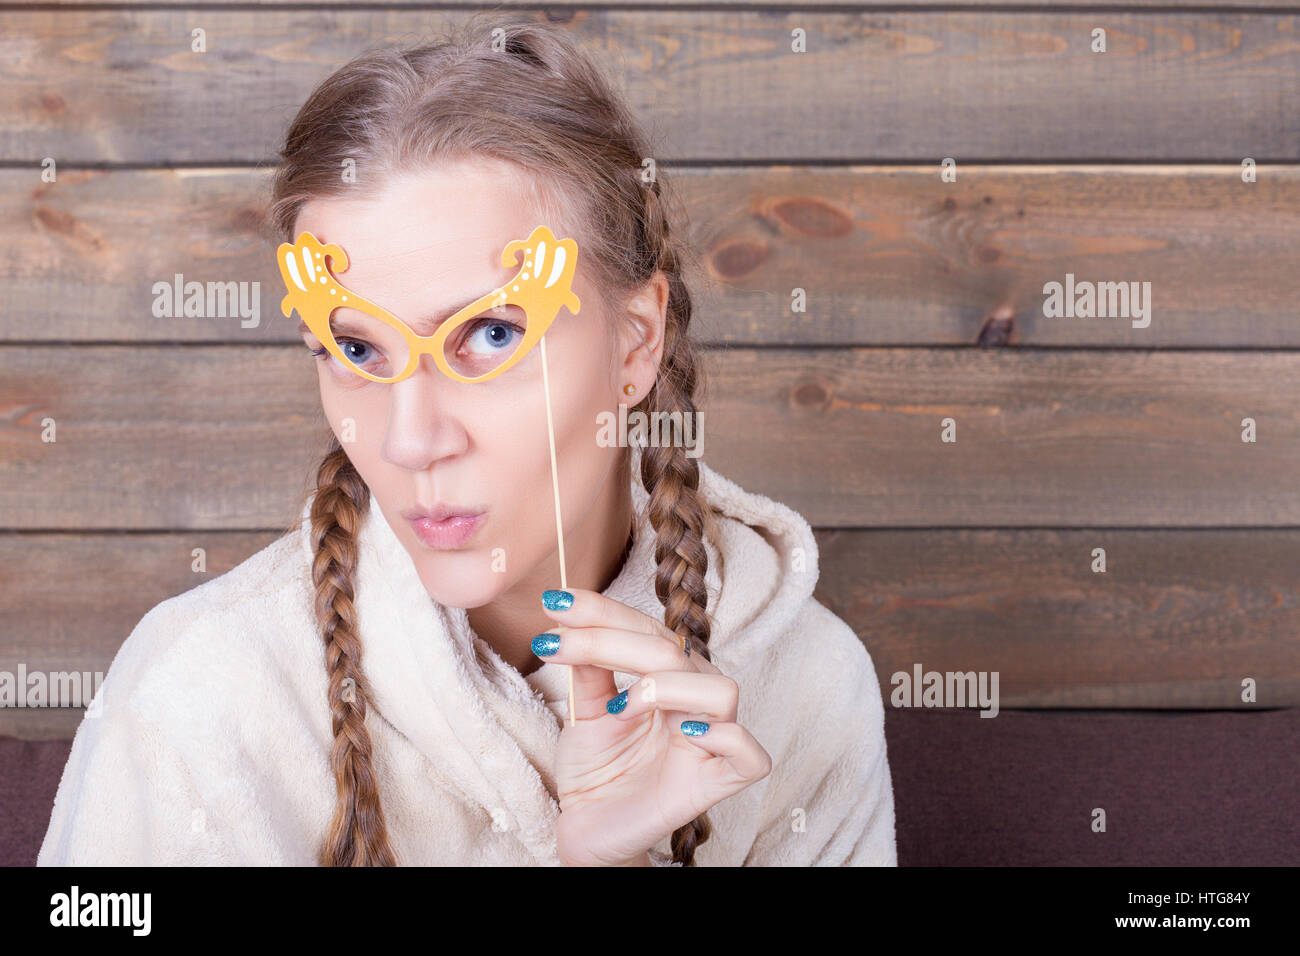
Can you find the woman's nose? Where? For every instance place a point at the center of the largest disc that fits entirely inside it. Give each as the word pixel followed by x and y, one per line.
pixel 423 425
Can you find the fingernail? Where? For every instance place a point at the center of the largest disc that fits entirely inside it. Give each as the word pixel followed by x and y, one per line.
pixel 616 704
pixel 694 728
pixel 555 600
pixel 544 645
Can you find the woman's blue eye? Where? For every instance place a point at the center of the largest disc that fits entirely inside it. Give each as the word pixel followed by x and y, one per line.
pixel 356 352
pixel 498 335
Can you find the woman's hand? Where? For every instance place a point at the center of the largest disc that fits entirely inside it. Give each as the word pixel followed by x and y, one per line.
pixel 629 777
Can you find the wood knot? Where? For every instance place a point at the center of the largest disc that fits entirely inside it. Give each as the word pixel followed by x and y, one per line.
pixel 811 217
pixel 812 395
pixel 56 220
pixel 999 328
pixel 738 258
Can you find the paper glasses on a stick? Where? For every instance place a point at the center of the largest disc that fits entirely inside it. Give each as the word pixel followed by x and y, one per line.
pixel 479 342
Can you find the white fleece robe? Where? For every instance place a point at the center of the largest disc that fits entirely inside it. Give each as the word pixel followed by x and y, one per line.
pixel 212 740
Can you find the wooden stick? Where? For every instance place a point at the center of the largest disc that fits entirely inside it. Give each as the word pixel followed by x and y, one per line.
pixel 555 485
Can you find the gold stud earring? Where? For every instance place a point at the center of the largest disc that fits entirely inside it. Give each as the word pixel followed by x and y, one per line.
pixel 629 389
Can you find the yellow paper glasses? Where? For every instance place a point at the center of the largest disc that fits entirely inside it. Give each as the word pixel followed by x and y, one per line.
pixel 478 342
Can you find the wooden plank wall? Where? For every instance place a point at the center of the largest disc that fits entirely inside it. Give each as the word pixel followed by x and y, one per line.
pixel 818 171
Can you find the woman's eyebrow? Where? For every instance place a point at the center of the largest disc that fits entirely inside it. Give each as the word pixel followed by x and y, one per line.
pixel 435 319
pixel 431 321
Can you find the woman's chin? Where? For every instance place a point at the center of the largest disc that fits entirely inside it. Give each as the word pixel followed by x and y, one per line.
pixel 462 579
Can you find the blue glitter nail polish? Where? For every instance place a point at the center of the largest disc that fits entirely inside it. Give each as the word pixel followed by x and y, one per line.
pixel 544 645
pixel 694 728
pixel 554 600
pixel 616 704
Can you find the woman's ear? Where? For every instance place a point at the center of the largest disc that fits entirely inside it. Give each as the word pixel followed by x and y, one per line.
pixel 642 346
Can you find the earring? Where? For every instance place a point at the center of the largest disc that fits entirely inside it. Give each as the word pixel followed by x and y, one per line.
pixel 629 389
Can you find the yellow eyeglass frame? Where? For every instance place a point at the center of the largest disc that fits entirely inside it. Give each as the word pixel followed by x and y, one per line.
pixel 309 269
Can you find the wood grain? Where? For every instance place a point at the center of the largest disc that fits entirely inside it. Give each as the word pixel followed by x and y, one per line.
pixel 815 171
pixel 223 437
pixel 120 85
pixel 1178 619
pixel 1082 439
pixel 884 255
pixel 563 12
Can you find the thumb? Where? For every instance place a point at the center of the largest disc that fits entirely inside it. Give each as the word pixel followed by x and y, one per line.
pixel 592 688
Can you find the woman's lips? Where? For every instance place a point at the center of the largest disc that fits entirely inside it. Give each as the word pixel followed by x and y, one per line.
pixel 451 532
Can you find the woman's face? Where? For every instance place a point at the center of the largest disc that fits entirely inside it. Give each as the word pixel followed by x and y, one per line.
pixel 427 242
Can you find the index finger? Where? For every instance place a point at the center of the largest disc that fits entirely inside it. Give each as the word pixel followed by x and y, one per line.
pixel 593 609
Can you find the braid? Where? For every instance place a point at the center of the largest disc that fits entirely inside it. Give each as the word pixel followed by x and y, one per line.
pixel 358 835
pixel 676 510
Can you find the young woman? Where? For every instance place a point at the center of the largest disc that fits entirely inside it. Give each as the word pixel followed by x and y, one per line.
pixel 724 717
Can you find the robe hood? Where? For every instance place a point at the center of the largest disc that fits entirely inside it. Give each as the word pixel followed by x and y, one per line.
pixel 453 696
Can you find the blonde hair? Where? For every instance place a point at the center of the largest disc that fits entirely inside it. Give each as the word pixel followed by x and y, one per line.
pixel 521 91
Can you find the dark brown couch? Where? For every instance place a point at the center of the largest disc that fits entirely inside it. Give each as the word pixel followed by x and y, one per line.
pixel 1179 788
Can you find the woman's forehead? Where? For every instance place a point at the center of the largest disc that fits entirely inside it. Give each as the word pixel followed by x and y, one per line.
pixel 418 276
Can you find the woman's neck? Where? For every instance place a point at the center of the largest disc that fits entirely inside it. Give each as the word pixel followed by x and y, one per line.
pixel 595 552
